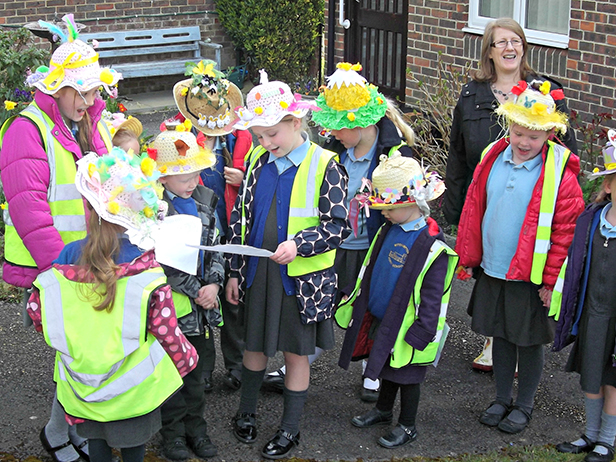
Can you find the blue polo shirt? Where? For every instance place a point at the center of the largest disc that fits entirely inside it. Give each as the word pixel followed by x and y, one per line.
pixel 509 190
pixel 358 169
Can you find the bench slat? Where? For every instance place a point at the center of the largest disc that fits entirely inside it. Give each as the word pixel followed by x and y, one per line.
pixel 143 37
pixel 148 50
pixel 152 68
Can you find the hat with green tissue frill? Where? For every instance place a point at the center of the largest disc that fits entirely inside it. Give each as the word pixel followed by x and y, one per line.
pixel 349 101
pixel 74 64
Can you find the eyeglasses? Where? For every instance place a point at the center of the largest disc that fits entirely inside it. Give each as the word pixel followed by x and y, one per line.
pixel 503 43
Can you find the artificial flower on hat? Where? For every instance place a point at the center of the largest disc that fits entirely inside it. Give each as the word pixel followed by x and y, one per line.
pixel 401 181
pixel 207 99
pixel 268 103
pixel 177 152
pixel 123 189
pixel 73 64
pixel 609 157
pixel 534 107
pixel 119 121
pixel 349 101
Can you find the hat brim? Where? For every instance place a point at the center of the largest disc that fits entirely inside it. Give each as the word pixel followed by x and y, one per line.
pixel 81 88
pixel 192 107
pixel 269 121
pixel 438 192
pixel 522 116
pixel 596 175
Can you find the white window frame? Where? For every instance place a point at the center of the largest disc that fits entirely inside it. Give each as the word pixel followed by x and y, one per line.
pixel 477 24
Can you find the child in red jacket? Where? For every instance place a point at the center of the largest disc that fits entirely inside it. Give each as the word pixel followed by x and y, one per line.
pixel 516 227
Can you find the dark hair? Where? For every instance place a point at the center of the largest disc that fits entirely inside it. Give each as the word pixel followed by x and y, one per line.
pixel 487 71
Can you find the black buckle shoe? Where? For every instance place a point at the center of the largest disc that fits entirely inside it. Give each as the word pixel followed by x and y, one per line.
pixel 207 379
pixel 369 396
pixel 401 435
pixel 245 427
pixel 280 445
pixel 509 426
pixel 52 450
pixel 596 457
pixel 492 419
pixel 203 447
pixel 176 449
pixel 371 418
pixel 569 448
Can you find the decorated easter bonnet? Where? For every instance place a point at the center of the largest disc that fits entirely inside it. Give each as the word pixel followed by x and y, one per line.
pixel 207 99
pixel 176 152
pixel 73 64
pixel 349 101
pixel 118 121
pixel 609 157
pixel 534 107
pixel 401 181
pixel 268 103
pixel 123 189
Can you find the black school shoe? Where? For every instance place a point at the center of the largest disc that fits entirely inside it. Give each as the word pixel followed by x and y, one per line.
pixel 569 448
pixel 233 379
pixel 401 435
pixel 176 449
pixel 280 445
pixel 274 381
pixel 596 457
pixel 245 427
pixel 492 419
pixel 208 386
pixel 509 426
pixel 372 418
pixel 203 447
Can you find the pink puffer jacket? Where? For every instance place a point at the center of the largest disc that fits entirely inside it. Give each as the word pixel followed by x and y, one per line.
pixel 25 177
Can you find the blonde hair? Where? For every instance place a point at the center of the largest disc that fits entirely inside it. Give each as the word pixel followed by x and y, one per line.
pixel 602 194
pixel 487 71
pixel 394 114
pixel 98 256
pixel 124 135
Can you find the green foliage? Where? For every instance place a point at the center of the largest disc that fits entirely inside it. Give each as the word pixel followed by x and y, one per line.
pixel 591 137
pixel 281 37
pixel 17 55
pixel 432 122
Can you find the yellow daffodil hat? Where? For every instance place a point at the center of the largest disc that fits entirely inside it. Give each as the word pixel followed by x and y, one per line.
pixel 535 107
pixel 73 64
pixel 349 101
pixel 207 99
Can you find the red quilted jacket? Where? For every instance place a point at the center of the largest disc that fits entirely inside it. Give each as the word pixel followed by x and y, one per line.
pixel 569 204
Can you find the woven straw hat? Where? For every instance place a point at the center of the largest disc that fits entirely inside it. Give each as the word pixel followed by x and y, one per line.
pixel 268 103
pixel 349 101
pixel 535 107
pixel 73 64
pixel 122 188
pixel 400 181
pixel 609 157
pixel 207 99
pixel 177 152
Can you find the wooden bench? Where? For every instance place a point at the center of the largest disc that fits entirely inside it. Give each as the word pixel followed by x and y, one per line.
pixel 115 47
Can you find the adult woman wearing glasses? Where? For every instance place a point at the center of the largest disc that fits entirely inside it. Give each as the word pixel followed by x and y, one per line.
pixel 502 64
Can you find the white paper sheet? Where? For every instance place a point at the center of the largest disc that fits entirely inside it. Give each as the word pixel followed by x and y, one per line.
pixel 236 249
pixel 172 241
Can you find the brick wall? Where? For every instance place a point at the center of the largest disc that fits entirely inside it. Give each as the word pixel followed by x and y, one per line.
pixel 112 15
pixel 586 69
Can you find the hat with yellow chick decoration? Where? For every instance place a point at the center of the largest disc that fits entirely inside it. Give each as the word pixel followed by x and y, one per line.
pixel 401 181
pixel 123 189
pixel 176 151
pixel 609 157
pixel 74 64
pixel 268 103
pixel 534 107
pixel 207 99
pixel 349 101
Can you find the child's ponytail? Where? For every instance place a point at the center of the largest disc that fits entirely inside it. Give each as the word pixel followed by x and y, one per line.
pixel 98 256
pixel 394 114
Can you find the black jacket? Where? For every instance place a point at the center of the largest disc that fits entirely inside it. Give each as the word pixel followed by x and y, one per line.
pixel 475 125
pixel 389 137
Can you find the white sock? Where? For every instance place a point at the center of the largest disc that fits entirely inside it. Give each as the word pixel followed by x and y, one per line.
pixel 370 384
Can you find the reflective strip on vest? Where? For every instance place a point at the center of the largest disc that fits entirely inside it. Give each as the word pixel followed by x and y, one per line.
pixel 557 294
pixel 555 164
pixel 131 325
pixel 303 211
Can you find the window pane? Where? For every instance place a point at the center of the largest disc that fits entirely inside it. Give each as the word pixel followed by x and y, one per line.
pixel 496 8
pixel 548 15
